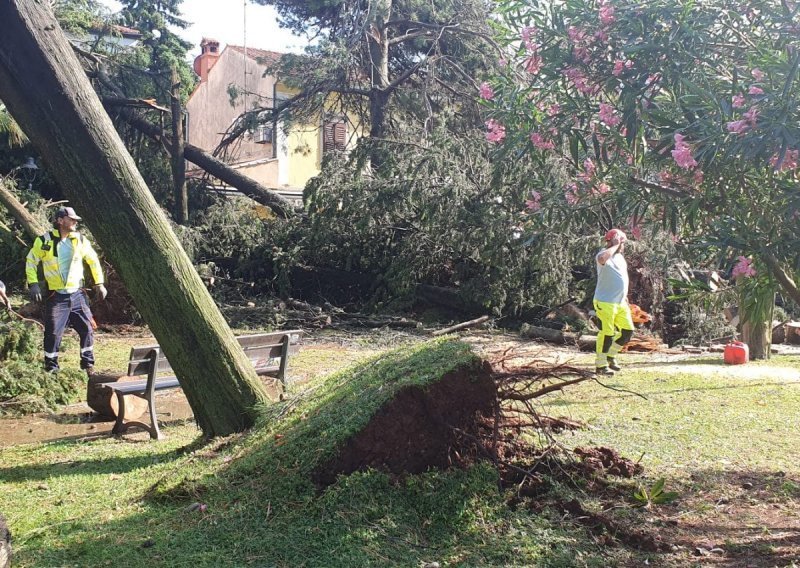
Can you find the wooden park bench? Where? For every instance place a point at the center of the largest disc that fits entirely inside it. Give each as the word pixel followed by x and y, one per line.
pixel 268 352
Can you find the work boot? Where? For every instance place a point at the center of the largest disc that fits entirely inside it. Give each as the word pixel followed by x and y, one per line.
pixel 603 372
pixel 612 364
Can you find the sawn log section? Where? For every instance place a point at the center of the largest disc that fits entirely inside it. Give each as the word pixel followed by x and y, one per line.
pixel 268 352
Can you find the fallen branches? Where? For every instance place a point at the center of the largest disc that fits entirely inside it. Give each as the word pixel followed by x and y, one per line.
pixel 460 326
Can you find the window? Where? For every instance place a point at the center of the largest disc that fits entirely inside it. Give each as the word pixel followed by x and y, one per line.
pixel 334 135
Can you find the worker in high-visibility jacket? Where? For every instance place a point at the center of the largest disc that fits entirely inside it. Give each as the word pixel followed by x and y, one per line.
pixel 611 303
pixel 62 252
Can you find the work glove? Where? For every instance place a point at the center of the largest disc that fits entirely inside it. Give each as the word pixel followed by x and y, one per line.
pixel 36 292
pixel 100 292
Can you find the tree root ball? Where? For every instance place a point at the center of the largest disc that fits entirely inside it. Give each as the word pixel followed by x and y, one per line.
pixel 421 428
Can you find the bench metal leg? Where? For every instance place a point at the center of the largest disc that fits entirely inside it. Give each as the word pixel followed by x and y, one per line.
pixel 119 425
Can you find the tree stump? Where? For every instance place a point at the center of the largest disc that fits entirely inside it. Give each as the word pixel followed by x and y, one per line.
pixel 103 400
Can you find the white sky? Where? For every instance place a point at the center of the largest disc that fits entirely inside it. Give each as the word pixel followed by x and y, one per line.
pixel 224 20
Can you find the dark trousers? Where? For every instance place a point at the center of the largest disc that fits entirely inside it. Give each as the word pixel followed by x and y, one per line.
pixel 62 310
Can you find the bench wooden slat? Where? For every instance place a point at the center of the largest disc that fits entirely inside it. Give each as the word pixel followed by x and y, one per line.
pixel 132 387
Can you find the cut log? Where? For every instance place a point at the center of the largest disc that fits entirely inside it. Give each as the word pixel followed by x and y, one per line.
pixel 103 400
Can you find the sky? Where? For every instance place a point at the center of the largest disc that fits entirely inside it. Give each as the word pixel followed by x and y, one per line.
pixel 224 20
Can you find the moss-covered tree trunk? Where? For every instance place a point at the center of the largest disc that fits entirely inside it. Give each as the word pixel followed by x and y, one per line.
pixel 46 91
pixel 758 336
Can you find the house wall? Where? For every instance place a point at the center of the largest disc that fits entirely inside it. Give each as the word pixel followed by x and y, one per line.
pixel 211 113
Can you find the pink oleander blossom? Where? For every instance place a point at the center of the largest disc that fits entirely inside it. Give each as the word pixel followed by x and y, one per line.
pixel 576 35
pixel 698 176
pixel 541 142
pixel 528 33
pixel 578 79
pixel 790 160
pixel 757 74
pixel 606 13
pixel 589 167
pixel 636 229
pixel 534 203
pixel 571 194
pixel 743 268
pixel 554 109
pixel 749 120
pixel 682 154
pixel 738 101
pixel 486 92
pixel 533 64
pixel 755 90
pixel 602 188
pixel 608 115
pixel 496 132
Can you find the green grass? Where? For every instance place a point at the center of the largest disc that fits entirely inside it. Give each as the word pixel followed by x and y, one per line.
pixel 690 421
pixel 112 502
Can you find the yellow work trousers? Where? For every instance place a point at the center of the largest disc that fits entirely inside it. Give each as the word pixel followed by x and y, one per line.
pixel 613 319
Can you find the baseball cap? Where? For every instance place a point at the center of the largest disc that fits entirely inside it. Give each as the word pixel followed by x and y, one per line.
pixel 67 212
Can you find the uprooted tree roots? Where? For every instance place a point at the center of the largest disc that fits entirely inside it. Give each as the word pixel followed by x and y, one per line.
pixel 490 414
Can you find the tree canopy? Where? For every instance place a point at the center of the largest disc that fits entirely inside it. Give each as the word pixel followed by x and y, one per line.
pixel 683 114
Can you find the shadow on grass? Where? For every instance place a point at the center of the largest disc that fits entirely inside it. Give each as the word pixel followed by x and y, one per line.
pixel 118 465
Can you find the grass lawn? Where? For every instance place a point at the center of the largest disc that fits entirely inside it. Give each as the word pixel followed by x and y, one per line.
pixel 249 499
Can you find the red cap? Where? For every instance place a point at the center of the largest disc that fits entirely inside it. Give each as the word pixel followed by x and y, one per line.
pixel 613 233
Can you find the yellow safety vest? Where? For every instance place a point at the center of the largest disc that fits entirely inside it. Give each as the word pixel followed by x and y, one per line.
pixel 44 251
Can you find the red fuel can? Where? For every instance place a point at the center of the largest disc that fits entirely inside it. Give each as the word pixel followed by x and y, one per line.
pixel 736 353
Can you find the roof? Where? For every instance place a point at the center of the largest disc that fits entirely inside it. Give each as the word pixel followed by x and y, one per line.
pixel 126 32
pixel 254 53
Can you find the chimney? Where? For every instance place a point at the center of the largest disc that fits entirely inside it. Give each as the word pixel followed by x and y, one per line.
pixel 209 53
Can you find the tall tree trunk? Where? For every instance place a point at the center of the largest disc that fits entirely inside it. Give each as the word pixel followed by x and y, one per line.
pixel 57 107
pixel 758 336
pixel 378 41
pixel 176 156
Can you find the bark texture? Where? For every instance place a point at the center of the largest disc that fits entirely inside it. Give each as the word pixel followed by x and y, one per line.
pixel 41 83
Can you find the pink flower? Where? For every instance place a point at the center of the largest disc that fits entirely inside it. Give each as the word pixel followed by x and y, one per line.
pixel 743 268
pixel 554 109
pixel 751 116
pixel 789 160
pixel 496 131
pixel 534 203
pixel 682 154
pixel 533 64
pixel 602 188
pixel 619 67
pixel 606 13
pixel 757 74
pixel 486 92
pixel 738 127
pixel 738 101
pixel 571 194
pixel 754 90
pixel 541 142
pixel 578 79
pixel 608 115
pixel 576 35
pixel 697 178
pixel 666 176
pixel 589 167
pixel 636 229
pixel 528 33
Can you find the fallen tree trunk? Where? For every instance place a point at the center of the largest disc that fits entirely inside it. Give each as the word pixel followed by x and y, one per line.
pixel 19 212
pixel 215 167
pixel 584 342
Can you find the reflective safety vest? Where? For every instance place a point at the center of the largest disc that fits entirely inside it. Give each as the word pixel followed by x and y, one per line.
pixel 45 251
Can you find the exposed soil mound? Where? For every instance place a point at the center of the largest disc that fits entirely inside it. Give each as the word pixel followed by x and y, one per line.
pixel 421 428
pixel 606 460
